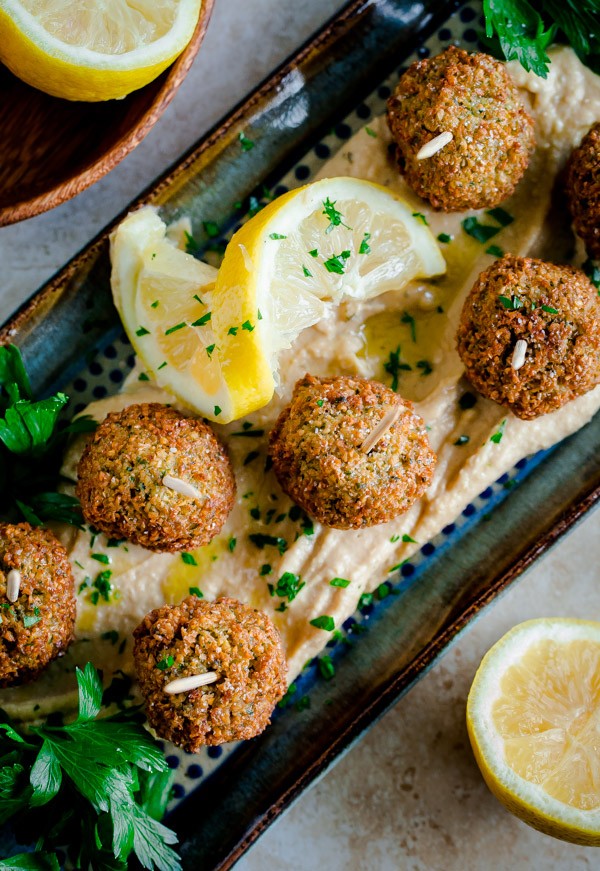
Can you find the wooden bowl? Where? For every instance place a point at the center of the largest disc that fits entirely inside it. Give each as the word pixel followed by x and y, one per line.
pixel 52 149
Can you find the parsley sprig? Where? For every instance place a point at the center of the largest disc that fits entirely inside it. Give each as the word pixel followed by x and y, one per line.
pixel 31 446
pixel 103 785
pixel 523 33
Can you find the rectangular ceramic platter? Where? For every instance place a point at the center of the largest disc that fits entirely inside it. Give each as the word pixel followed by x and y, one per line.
pixel 70 337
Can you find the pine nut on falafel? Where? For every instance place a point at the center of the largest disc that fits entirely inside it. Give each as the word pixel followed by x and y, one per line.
pixel 529 335
pixel 157 478
pixel 583 190
pixel 469 103
pixel 350 451
pixel 236 648
pixel 37 597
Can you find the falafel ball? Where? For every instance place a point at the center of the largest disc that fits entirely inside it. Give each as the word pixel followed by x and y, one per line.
pixel 472 97
pixel 239 643
pixel 553 312
pixel 583 190
pixel 326 459
pixel 39 617
pixel 157 478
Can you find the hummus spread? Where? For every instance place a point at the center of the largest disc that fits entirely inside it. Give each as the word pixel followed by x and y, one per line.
pixel 266 535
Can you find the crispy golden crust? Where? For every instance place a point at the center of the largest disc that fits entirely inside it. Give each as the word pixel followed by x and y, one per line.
pixel 121 471
pixel 38 627
pixel 315 449
pixel 225 636
pixel 557 314
pixel 472 97
pixel 583 190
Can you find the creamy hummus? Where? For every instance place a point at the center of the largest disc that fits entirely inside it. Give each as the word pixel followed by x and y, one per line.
pixel 354 337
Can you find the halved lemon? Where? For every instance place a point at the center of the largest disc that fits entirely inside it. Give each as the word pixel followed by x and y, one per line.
pixel 533 718
pixel 309 249
pixel 163 296
pixel 90 50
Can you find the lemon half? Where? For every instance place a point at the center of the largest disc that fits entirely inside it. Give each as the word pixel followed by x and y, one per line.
pixel 311 248
pixel 533 718
pixel 87 50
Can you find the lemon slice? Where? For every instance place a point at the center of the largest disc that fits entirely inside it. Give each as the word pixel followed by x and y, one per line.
pixel 309 249
pixel 93 51
pixel 533 717
pixel 163 296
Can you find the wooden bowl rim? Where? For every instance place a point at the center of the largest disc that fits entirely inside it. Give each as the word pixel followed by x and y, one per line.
pixel 69 188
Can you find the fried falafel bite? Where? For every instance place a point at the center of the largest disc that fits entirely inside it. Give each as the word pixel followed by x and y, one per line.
pixel 583 190
pixel 529 335
pixel 463 136
pixel 157 478
pixel 351 452
pixel 37 594
pixel 210 672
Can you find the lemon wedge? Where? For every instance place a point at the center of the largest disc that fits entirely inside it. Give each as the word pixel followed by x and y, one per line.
pixel 309 249
pixel 163 296
pixel 533 718
pixel 93 51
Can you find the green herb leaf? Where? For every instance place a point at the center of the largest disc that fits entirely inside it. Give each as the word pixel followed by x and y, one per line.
pixel 261 540
pixel 325 622
pixel 307 272
pixel 500 215
pixel 335 217
pixel 394 366
pixel 211 229
pixel 481 232
pixel 247 144
pixel 276 236
pixel 201 322
pixel 365 248
pixel 511 302
pixel 421 217
pixel 188 559
pixel 165 663
pixel 408 319
pixel 495 251
pixel 45 776
pixel 174 329
pixel 142 331
pixel 336 263
pixel 549 309
pixel 497 437
pixel 288 586
pixel 339 582
pixel 370 132
pixel 520 31
pixel 326 667
pixel 196 591
pixel 445 238
pixel 31 862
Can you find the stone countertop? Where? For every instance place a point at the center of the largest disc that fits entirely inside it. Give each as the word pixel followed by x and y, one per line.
pixel 410 795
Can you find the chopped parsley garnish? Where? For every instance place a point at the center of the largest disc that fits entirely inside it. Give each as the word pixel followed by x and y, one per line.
pixel 201 322
pixel 261 540
pixel 218 410
pixel 232 331
pixel 511 302
pixel 307 272
pixel 189 559
pixel 445 238
pixel 394 539
pixel 326 667
pixel 211 229
pixel 370 132
pixel 142 331
pixel 143 377
pixel 365 600
pixel 174 329
pixel 325 622
pixel 247 326
pixel 408 319
pixel 336 263
pixel 275 236
pixel 382 591
pixel 30 620
pixel 314 253
pixel 247 144
pixel 250 457
pixel 339 582
pixel 288 586
pixel 110 635
pixel 167 662
pixel 426 366
pixel 335 217
pixel 501 216
pixel 162 366
pixel 320 402
pixel 462 440
pixel 197 298
pixel 101 558
pixel 495 251
pixel 102 588
pixel 209 350
pixel 365 248
pixel 259 315
pixel 196 591
pixel 255 513
pixel 421 217
pixel 154 304
pixel 479 232
pixel 497 437
pixel 393 367
pixel 407 539
pixel 549 309
pixel 266 569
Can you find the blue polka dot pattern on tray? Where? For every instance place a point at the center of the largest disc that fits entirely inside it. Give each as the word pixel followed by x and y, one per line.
pixel 114 360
